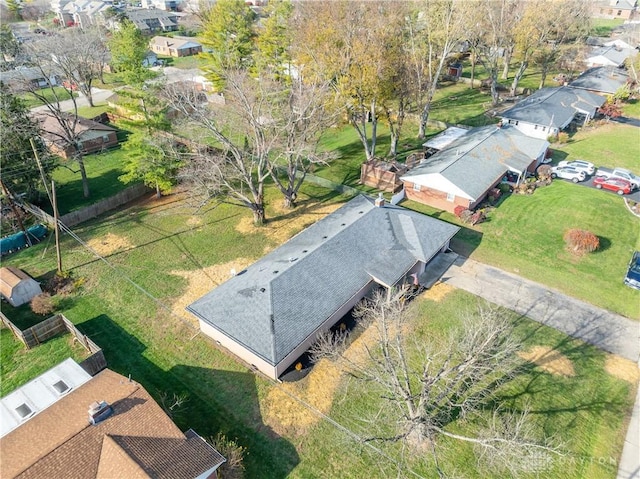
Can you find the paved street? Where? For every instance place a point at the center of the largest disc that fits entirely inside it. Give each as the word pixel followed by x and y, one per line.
pixel 606 330
pixel 99 97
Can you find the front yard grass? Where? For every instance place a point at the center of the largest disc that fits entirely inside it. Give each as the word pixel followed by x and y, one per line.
pixel 30 101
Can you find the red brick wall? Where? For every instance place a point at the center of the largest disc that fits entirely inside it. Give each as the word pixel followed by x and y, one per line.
pixel 434 198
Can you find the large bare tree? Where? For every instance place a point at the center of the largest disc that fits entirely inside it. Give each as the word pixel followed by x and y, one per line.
pixel 425 385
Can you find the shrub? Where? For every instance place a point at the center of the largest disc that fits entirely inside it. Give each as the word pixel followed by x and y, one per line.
pixel 477 217
pixel 42 304
pixel 581 241
pixel 233 468
pixel 544 172
pixel 563 137
pixel 459 210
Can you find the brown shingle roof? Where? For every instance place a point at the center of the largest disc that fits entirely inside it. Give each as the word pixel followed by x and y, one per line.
pixel 60 442
pixel 11 276
pixel 53 131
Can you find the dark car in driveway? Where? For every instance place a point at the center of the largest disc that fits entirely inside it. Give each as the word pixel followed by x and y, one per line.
pixel 632 278
pixel 620 186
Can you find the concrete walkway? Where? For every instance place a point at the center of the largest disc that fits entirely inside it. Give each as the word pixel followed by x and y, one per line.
pixel 608 331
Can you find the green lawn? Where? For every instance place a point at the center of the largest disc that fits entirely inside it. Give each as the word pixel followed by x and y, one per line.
pixel 602 27
pixel 30 101
pixel 186 63
pixel 103 170
pixel 632 109
pixel 19 365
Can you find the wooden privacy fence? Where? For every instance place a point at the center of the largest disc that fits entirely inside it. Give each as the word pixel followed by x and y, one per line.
pixel 33 336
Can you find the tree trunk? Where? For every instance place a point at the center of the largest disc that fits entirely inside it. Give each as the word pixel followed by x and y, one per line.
pixel 473 69
pixel 83 175
pixel 424 118
pixel 495 95
pixel 518 77
pixel 158 193
pixel 259 218
pixel 374 129
pixel 543 77
pixel 290 200
pixel 505 65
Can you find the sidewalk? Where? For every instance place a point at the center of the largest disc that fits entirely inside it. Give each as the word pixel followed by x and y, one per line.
pixel 606 330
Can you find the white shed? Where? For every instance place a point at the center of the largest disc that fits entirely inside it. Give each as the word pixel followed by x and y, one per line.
pixel 17 287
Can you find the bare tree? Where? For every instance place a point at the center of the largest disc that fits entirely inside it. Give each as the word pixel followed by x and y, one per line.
pixel 79 56
pixel 433 29
pixel 425 385
pixel 236 167
pixel 63 121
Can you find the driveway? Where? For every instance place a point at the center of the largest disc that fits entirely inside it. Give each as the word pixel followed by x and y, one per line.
pixel 633 196
pixel 627 121
pixel 606 330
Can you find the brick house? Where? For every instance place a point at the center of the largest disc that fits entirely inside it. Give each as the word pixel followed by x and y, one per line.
pixel 467 169
pixel 91 135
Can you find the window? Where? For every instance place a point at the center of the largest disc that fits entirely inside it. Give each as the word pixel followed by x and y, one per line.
pixel 619 12
pixel 535 127
pixel 416 187
pixel 61 387
pixel 451 197
pixel 544 128
pixel 105 138
pixel 24 411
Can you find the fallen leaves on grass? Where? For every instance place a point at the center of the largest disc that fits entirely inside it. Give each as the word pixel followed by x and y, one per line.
pixel 437 292
pixel 622 368
pixel 549 360
pixel 109 244
pixel 202 281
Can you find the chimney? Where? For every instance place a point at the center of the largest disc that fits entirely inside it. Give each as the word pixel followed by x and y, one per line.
pixel 99 411
pixel 379 201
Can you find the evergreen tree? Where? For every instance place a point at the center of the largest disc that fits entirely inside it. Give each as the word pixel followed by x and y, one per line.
pixel 128 49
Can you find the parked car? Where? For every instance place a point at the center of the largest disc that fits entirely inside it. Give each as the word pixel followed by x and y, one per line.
pixel 568 173
pixel 632 278
pixel 620 173
pixel 581 165
pixel 620 186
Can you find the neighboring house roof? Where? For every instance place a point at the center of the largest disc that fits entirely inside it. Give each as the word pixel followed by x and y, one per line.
pixel 601 79
pixel 475 161
pixel 554 107
pixel 40 393
pixel 22 74
pixel 176 43
pixel 617 4
pixel 444 139
pixel 614 55
pixel 137 440
pixel 53 132
pixel 280 300
pixel 141 16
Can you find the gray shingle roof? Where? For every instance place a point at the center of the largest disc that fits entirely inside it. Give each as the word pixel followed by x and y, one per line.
pixel 553 107
pixel 478 159
pixel 611 53
pixel 603 79
pixel 276 303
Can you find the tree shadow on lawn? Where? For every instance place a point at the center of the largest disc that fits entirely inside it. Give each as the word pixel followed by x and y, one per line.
pixel 218 401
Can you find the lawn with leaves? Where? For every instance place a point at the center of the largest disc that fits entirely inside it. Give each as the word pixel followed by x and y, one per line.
pixel 60 94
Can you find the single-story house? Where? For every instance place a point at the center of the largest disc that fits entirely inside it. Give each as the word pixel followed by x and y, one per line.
pixel 608 56
pixel 24 78
pixel 550 110
pixel 623 9
pixel 601 80
pixel 91 135
pixel 17 287
pixel 271 313
pixel 174 47
pixel 465 171
pixel 169 5
pixel 98 427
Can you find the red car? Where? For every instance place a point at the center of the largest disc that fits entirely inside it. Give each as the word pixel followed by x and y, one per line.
pixel 620 186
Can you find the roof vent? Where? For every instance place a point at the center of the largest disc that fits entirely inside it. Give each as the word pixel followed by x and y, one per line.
pixel 292 259
pixel 262 290
pixel 99 411
pixel 304 250
pixel 24 411
pixel 276 272
pixel 61 387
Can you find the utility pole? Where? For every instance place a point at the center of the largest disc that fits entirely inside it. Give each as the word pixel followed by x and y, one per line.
pixel 54 203
pixel 16 213
pixel 42 175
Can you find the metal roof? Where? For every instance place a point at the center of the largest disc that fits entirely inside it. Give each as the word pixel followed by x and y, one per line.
pixel 38 394
pixel 276 303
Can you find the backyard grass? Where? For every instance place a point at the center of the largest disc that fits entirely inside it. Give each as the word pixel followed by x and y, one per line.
pixel 92 111
pixel 103 170
pixel 602 27
pixel 631 109
pixel 19 365
pixel 185 63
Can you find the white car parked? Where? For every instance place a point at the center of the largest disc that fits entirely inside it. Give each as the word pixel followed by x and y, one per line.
pixel 568 173
pixel 580 165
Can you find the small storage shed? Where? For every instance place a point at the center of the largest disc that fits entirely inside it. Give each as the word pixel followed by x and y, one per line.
pixel 17 287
